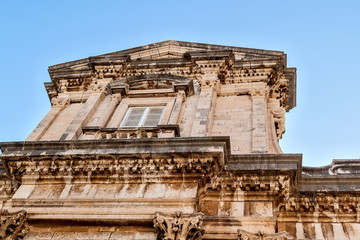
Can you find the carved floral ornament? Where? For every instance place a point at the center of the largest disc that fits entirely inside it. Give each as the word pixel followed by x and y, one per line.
pixel 14 226
pixel 179 226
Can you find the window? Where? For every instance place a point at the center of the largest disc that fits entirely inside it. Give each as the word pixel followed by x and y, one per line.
pixel 142 116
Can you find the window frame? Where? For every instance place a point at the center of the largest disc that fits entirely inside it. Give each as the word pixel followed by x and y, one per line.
pixel 125 103
pixel 144 115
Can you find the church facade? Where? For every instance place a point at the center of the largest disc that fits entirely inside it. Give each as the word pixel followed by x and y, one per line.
pixel 175 141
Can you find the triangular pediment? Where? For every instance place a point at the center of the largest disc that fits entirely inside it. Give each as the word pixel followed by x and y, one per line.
pixel 168 50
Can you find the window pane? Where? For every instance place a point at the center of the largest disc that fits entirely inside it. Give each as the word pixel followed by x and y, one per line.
pixel 134 117
pixel 153 117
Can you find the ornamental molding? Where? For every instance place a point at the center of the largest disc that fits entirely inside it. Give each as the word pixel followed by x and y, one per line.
pixel 322 202
pixel 277 185
pixel 118 158
pixel 179 226
pixel 13 226
pixel 174 83
pixel 245 235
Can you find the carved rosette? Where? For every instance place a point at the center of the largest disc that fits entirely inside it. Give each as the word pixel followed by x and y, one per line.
pixel 179 226
pixel 13 225
pixel 245 235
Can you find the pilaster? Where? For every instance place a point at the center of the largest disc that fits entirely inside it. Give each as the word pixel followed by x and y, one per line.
pixel 259 136
pixel 38 132
pixel 174 117
pixel 74 130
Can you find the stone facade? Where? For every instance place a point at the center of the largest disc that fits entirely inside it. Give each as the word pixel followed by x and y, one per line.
pixel 209 168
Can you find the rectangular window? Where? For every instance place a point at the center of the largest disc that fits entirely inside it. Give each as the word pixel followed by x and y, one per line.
pixel 142 116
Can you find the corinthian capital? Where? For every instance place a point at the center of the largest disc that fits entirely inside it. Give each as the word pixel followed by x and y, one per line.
pixel 179 226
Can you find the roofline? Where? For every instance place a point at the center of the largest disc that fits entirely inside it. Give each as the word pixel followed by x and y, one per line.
pixel 205 46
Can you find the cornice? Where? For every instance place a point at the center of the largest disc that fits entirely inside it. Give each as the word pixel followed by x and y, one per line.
pixel 80 74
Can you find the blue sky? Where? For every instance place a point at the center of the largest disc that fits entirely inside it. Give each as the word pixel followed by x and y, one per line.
pixel 321 39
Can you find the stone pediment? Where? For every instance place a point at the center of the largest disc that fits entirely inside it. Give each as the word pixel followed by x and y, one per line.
pixel 187 59
pixel 167 50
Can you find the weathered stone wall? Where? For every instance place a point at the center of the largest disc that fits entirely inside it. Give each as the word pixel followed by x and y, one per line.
pixel 211 169
pixel 232 118
pixel 61 122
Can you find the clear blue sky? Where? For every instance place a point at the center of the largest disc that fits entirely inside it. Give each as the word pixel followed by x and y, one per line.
pixel 321 39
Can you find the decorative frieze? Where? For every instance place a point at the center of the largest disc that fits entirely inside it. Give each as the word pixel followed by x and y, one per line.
pixel 118 159
pixel 322 203
pixel 179 226
pixel 251 183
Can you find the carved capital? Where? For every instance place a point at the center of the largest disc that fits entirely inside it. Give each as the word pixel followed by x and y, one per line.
pixel 8 186
pixel 181 95
pixel 59 102
pixel 13 225
pixel 116 97
pixel 258 92
pixel 245 235
pixel 179 226
pixel 97 87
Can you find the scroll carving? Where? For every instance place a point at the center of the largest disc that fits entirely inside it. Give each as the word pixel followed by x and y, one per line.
pixel 279 120
pixel 244 235
pixel 13 225
pixel 179 226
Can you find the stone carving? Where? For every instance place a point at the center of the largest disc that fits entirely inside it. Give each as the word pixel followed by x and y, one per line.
pixel 114 166
pixel 97 86
pixel 179 226
pixel 279 120
pixel 280 90
pixel 112 71
pixel 59 102
pixel 8 186
pixel 244 235
pixel 322 202
pixel 276 186
pixel 63 84
pixel 209 83
pixel 153 81
pixel 13 225
pixel 255 92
